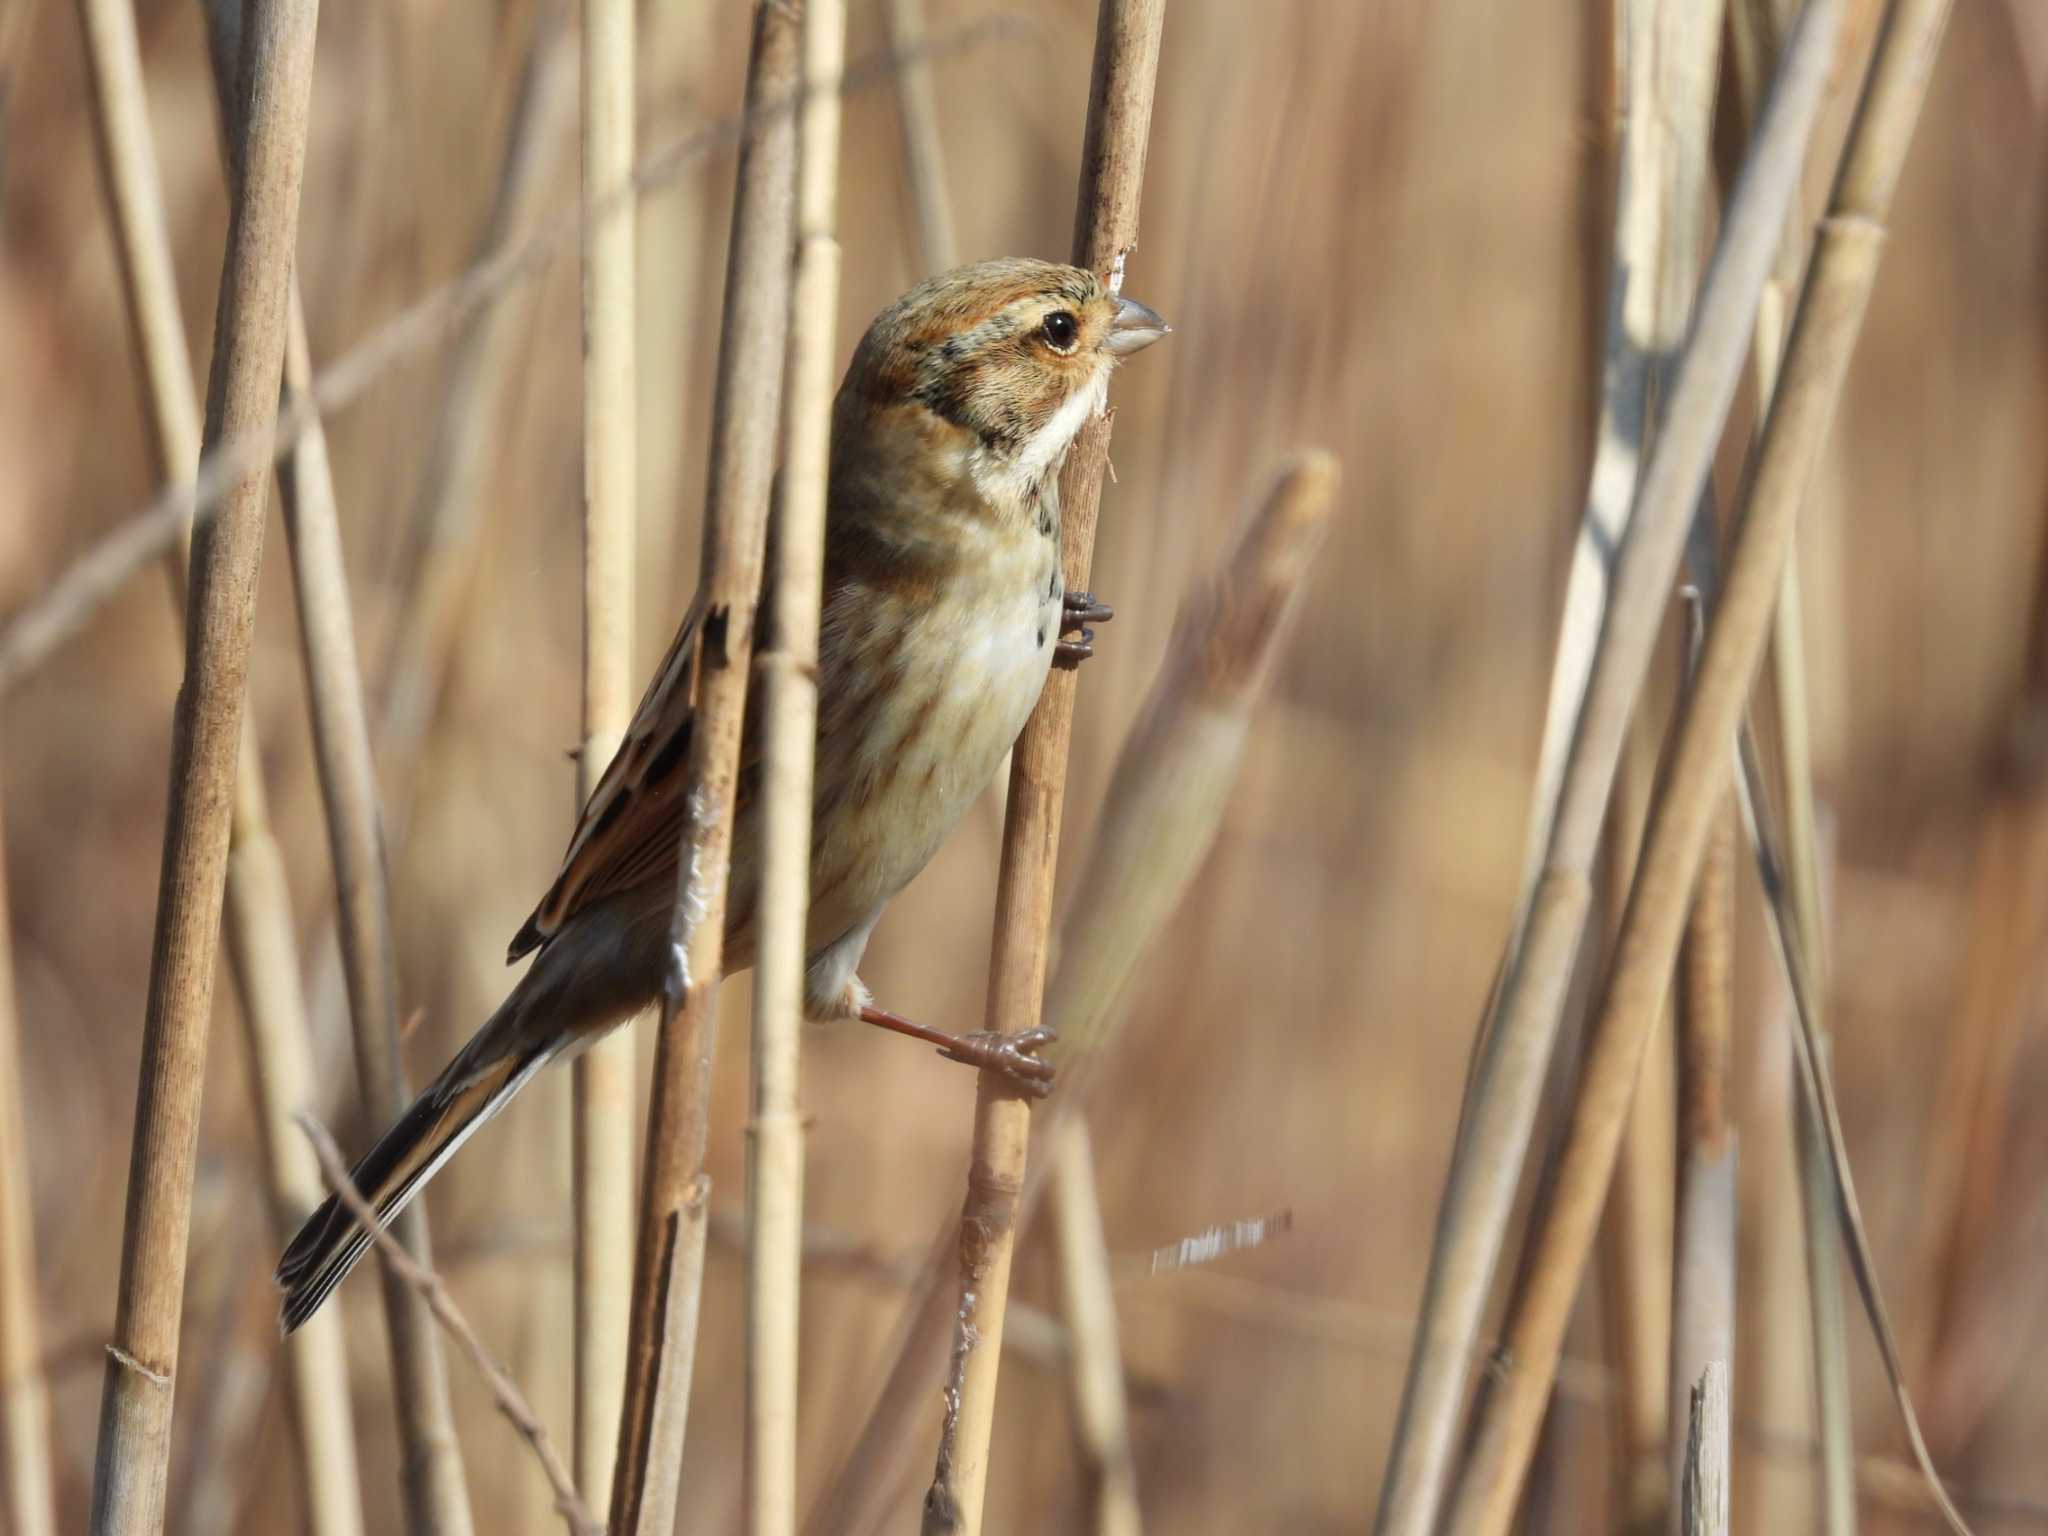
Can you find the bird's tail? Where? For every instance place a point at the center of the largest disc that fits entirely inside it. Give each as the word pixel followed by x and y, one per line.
pixel 479 1082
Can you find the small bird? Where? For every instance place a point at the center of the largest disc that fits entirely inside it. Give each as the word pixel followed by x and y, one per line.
pixel 943 609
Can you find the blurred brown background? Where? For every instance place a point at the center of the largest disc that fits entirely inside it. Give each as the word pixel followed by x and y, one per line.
pixel 1377 226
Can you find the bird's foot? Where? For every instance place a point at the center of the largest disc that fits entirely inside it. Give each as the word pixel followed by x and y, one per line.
pixel 1013 1058
pixel 1078 611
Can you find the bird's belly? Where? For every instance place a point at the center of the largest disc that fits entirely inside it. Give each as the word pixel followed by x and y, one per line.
pixel 972 666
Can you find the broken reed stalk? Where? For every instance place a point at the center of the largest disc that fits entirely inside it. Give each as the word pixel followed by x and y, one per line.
pixel 27 1470
pixel 1166 800
pixel 257 915
pixel 1105 229
pixel 746 417
pixel 1816 360
pixel 1703 1479
pixel 436 1496
pixel 1705 1264
pixel 787 675
pixel 924 154
pixel 1500 1106
pixel 424 1282
pixel 603 1078
pixel 131 1463
pixel 1102 1419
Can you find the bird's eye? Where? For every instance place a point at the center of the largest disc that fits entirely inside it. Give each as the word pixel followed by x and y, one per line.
pixel 1060 329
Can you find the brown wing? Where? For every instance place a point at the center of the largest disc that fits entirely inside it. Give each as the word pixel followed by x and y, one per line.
pixel 629 828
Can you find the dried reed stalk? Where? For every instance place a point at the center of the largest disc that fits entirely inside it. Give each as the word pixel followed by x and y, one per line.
pixel 603 1076
pixel 668 1272
pixel 1753 39
pixel 422 1280
pixel 257 916
pixel 788 677
pixel 1703 1483
pixel 1639 1224
pixel 924 153
pixel 1102 1420
pixel 1823 334
pixel 1166 799
pixel 27 1470
pixel 435 1495
pixel 1704 1268
pixel 1501 1102
pixel 274 83
pixel 1105 229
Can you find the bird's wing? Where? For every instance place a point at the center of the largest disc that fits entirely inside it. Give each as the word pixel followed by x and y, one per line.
pixel 628 832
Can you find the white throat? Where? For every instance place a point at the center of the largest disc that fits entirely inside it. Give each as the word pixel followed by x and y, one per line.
pixel 1007 479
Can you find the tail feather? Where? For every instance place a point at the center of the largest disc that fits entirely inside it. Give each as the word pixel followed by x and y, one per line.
pixel 332 1242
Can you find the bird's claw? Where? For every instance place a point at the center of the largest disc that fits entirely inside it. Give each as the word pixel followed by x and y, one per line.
pixel 1012 1057
pixel 1078 610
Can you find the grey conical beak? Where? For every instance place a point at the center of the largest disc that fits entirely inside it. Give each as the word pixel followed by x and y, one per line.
pixel 1134 329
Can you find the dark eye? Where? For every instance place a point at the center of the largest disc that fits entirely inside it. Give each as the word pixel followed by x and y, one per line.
pixel 1060 330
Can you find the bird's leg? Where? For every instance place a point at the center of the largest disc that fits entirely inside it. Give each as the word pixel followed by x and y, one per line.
pixel 1079 610
pixel 1010 1056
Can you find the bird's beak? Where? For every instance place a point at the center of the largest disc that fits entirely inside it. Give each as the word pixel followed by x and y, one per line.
pixel 1134 328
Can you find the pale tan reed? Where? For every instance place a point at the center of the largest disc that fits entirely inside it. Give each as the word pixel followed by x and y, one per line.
pixel 788 678
pixel 603 1076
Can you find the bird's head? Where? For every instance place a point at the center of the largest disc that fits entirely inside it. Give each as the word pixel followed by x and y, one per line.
pixel 1001 362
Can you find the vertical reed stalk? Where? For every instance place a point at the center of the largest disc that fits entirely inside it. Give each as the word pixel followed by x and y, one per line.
pixel 1704 1265
pixel 274 84
pixel 603 1076
pixel 1501 1105
pixel 1105 229
pixel 435 1495
pixel 1703 1481
pixel 669 1266
pixel 27 1472
pixel 1816 360
pixel 257 917
pixel 787 674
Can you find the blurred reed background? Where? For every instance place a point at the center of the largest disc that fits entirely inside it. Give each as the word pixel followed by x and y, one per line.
pixel 1376 225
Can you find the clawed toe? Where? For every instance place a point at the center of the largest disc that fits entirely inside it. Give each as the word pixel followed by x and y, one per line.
pixel 1012 1057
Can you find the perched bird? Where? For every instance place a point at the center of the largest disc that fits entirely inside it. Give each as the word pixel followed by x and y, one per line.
pixel 944 607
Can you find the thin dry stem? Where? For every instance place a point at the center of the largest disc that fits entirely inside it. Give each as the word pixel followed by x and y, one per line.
pixel 1105 229
pixel 1639 1224
pixel 27 1470
pixel 437 1498
pixel 1830 312
pixel 131 1464
pixel 603 1080
pixel 788 677
pixel 924 153
pixel 669 1268
pixel 1102 1420
pixel 422 1280
pixel 1501 1106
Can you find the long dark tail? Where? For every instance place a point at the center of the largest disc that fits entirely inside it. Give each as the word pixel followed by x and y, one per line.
pixel 397 1168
